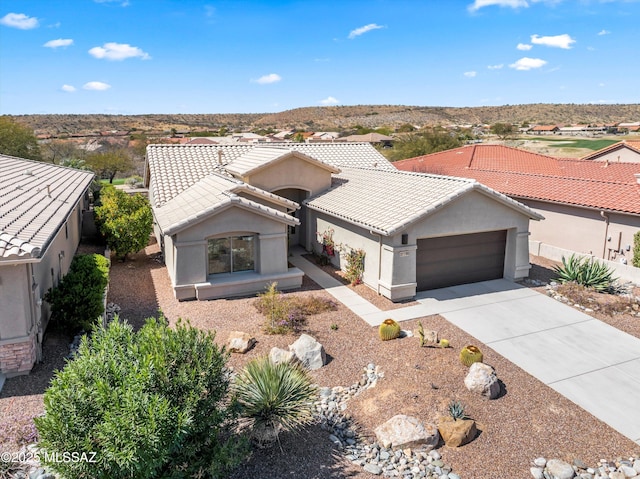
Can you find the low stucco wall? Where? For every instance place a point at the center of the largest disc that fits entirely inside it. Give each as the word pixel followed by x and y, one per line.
pixel 625 272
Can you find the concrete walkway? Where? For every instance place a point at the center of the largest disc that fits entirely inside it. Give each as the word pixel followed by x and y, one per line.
pixel 589 362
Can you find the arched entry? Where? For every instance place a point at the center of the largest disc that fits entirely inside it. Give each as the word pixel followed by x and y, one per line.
pixel 297 234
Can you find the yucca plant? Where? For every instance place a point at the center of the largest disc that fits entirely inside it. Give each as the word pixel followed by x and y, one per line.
pixel 586 272
pixel 274 398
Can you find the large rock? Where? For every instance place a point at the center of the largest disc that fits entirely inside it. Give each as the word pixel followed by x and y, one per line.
pixel 559 469
pixel 277 356
pixel 457 433
pixel 405 431
pixel 240 342
pixel 309 352
pixel 482 379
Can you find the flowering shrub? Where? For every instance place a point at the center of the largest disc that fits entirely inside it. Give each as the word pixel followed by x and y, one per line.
pixel 328 245
pixel 355 266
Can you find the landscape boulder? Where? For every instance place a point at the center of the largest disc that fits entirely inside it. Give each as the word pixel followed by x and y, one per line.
pixel 240 342
pixel 309 352
pixel 277 356
pixel 559 469
pixel 403 431
pixel 482 379
pixel 457 432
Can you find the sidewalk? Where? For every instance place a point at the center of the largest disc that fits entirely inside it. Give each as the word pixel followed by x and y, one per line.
pixel 589 362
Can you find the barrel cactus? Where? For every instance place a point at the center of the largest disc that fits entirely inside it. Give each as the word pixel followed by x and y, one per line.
pixel 389 329
pixel 470 355
pixel 443 343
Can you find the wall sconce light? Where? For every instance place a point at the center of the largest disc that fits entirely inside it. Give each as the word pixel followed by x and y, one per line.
pixel 61 254
pixel 405 239
pixel 39 302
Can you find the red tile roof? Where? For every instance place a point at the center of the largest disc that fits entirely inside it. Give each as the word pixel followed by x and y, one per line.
pixel 523 174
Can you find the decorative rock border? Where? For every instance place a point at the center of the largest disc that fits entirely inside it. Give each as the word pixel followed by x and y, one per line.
pixel 606 469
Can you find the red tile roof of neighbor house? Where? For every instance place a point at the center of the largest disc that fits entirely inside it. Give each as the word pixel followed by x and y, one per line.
pixel 523 174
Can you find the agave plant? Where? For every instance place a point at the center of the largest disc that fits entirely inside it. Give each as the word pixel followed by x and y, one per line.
pixel 456 410
pixel 586 272
pixel 274 398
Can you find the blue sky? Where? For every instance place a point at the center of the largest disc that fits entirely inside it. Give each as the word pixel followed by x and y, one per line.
pixel 187 56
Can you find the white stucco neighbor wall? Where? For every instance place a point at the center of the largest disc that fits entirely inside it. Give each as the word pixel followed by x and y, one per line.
pixel 585 231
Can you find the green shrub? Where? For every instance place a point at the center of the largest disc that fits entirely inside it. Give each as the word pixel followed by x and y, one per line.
pixel 636 250
pixel 274 398
pixel 286 314
pixel 124 220
pixel 78 300
pixel 151 404
pixel 586 272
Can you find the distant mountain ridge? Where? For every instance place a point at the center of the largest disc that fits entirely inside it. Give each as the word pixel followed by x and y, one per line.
pixel 330 118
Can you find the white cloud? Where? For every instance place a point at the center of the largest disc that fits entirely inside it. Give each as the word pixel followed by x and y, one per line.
pixel 267 79
pixel 124 3
pixel 19 20
pixel 60 42
pixel 524 47
pixel 118 51
pixel 601 84
pixel 96 85
pixel 478 4
pixel 557 41
pixel 367 28
pixel 495 67
pixel 329 101
pixel 69 88
pixel 604 32
pixel 470 74
pixel 527 63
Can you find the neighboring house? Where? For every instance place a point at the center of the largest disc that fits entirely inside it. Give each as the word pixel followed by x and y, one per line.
pixel 371 138
pixel 544 130
pixel 590 207
pixel 41 207
pixel 226 216
pixel 621 152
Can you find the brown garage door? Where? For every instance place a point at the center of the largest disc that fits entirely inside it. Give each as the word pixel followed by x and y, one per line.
pixel 460 259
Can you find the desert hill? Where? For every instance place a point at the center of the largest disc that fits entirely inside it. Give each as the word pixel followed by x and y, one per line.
pixel 333 118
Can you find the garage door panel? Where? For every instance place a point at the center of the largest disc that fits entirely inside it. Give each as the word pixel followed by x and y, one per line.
pixel 460 259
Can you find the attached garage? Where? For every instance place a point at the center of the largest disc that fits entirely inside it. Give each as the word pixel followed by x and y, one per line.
pixel 458 259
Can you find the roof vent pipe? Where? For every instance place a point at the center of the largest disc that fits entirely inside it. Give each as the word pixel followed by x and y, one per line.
pixel 220 157
pixel 637 175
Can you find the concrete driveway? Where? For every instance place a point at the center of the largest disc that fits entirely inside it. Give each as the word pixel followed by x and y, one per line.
pixel 589 362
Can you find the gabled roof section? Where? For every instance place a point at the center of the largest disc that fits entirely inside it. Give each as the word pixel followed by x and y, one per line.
pixel 209 196
pixel 386 202
pixel 36 198
pixel 522 174
pixel 634 146
pixel 260 158
pixel 170 169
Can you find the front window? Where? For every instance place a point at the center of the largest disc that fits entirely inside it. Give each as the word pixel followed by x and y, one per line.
pixel 231 255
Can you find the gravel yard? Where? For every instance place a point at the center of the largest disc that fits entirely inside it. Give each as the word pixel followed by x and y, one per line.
pixel 528 420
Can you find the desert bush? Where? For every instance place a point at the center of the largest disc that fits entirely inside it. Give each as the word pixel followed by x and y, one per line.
pixel 586 272
pixel 77 301
pixel 636 250
pixel 286 314
pixel 274 398
pixel 151 404
pixel 355 266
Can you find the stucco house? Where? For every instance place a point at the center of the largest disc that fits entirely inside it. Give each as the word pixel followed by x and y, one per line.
pixel 41 207
pixel 226 217
pixel 621 152
pixel 590 207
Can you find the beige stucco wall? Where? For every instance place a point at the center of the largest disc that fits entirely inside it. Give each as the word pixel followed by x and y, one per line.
pixel 394 276
pixel 22 285
pixel 585 231
pixel 291 172
pixel 186 253
pixel 624 155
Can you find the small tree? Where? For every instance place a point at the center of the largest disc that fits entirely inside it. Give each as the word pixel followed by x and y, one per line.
pixel 151 404
pixel 108 164
pixel 503 130
pixel 18 140
pixel 636 250
pixel 124 220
